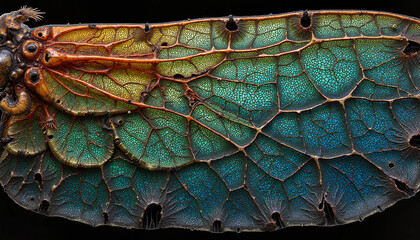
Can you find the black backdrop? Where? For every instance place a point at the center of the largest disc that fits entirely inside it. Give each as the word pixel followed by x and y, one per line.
pixel 402 221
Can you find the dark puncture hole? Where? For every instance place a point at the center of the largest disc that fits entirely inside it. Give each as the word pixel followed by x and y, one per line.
pixel 164 44
pixel 43 206
pixel 217 226
pixel 38 179
pixel 178 76
pixel 231 25
pixel 403 187
pixel 277 219
pixel 152 216
pixel 415 141
pixel 105 217
pixel 50 137
pixel 305 20
pixel 34 76
pixel 391 165
pixel 47 57
pixel 40 34
pixel 411 48
pixel 328 212
pixel 146 28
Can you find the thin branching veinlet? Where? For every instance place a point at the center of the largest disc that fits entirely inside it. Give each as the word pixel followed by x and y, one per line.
pixel 224 124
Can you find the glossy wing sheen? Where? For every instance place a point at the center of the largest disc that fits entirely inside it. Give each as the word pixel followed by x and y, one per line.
pixel 252 123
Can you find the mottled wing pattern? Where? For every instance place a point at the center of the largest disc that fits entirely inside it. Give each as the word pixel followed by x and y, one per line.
pixel 252 123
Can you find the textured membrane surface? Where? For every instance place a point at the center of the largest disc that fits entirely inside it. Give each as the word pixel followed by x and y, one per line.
pixel 229 124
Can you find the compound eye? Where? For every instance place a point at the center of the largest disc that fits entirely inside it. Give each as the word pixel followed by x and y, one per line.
pixel 31 49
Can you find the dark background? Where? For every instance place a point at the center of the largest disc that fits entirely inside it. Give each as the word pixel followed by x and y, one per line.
pixel 402 221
